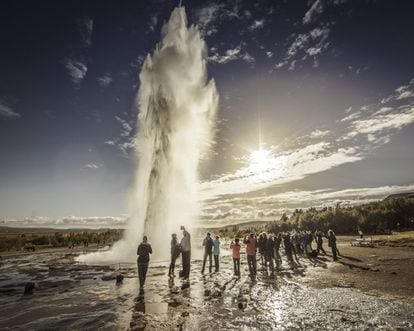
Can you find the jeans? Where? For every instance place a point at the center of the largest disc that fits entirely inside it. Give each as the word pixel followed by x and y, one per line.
pixel 172 264
pixel 251 261
pixel 216 262
pixel 334 251
pixel 236 263
pixel 142 272
pixel 209 254
pixel 186 258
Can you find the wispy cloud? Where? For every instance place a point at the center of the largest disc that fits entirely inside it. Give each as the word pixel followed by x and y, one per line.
pixel 6 111
pixel 126 140
pixel 153 23
pixel 353 139
pixel 315 10
pixel 319 133
pixel 380 120
pixel 231 54
pixel 86 28
pixel 76 70
pixel 209 16
pixel 281 168
pixel 306 45
pixel 92 166
pixel 257 25
pixel 105 80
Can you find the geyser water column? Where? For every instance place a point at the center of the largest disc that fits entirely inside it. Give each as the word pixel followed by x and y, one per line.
pixel 177 107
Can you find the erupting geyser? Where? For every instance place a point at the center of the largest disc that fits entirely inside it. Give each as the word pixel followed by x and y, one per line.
pixel 177 106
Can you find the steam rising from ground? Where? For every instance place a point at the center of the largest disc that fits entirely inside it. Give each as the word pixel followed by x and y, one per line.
pixel 177 106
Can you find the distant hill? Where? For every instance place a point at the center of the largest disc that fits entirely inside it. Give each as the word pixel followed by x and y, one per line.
pixel 241 226
pixel 409 195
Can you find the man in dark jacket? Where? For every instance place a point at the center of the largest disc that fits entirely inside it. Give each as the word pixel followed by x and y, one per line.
pixel 175 253
pixel 208 251
pixel 143 251
pixel 332 244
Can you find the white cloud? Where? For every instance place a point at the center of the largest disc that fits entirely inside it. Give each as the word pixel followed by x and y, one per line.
pixel 315 10
pixel 380 122
pixel 256 25
pixel 7 111
pixel 231 54
pixel 92 166
pixel 153 23
pixel 280 169
pixel 269 54
pixel 319 133
pixel 76 69
pixel 306 45
pixel 105 80
pixel 126 140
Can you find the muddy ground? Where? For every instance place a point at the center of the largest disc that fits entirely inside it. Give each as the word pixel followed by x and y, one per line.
pixel 367 289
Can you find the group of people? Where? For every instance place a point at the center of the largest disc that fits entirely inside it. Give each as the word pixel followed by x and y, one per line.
pixel 268 245
pixel 184 248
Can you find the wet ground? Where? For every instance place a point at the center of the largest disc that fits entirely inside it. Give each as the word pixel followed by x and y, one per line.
pixel 307 295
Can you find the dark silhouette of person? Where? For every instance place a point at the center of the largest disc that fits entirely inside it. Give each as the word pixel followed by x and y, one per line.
pixel 216 252
pixel 319 242
pixel 250 242
pixel 288 246
pixel 143 251
pixel 208 251
pixel 268 252
pixel 276 249
pixel 175 253
pixel 186 253
pixel 332 244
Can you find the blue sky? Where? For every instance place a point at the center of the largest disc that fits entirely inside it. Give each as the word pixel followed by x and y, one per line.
pixel 324 88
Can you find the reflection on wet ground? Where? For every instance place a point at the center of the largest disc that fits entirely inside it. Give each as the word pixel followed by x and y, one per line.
pixel 81 297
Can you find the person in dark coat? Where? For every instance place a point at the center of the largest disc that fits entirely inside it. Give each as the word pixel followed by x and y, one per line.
pixel 208 251
pixel 288 246
pixel 319 242
pixel 175 253
pixel 332 244
pixel 143 251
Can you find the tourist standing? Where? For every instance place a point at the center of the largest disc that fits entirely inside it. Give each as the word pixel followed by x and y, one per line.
pixel 208 251
pixel 288 246
pixel 216 252
pixel 268 251
pixel 175 253
pixel 332 244
pixel 250 242
pixel 235 247
pixel 186 252
pixel 319 242
pixel 143 251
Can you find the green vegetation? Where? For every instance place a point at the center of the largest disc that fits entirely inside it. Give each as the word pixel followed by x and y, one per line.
pixel 378 217
pixel 13 239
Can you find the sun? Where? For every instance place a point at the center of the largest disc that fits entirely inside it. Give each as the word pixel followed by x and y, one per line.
pixel 260 160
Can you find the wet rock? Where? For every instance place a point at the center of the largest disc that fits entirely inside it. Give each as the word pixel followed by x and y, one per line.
pixel 119 278
pixel 108 277
pixel 28 288
pixel 207 292
pixel 185 314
